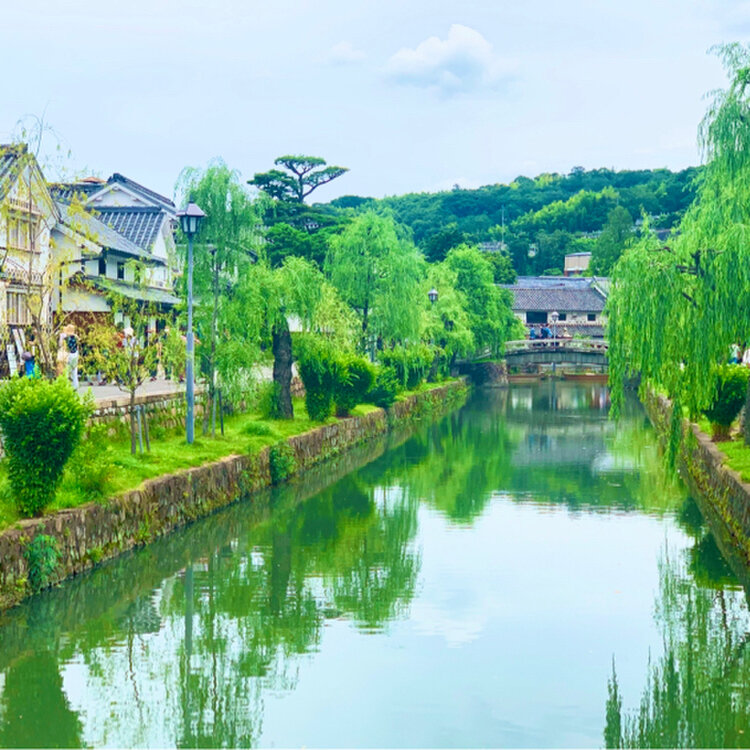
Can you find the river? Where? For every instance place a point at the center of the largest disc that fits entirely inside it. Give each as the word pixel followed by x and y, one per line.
pixel 524 572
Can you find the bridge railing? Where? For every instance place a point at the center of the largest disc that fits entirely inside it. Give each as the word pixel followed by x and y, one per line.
pixel 569 345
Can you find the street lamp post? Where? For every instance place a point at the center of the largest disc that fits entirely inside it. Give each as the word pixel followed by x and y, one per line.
pixel 555 317
pixel 190 221
pixel 433 295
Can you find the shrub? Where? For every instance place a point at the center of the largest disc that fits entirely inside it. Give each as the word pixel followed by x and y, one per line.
pixel 41 556
pixel 354 377
pixel 411 363
pixel 318 369
pixel 282 461
pixel 268 400
pixel 91 465
pixel 384 389
pixel 731 389
pixel 257 428
pixel 42 423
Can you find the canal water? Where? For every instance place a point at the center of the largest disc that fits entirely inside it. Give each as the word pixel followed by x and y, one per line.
pixel 522 573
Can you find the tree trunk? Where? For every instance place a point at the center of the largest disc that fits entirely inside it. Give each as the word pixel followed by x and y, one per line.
pixel 133 436
pixel 214 318
pixel 281 340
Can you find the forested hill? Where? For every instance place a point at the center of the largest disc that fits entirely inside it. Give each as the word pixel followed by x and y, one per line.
pixel 540 220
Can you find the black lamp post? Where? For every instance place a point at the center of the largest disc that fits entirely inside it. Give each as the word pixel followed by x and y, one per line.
pixel 190 221
pixel 433 295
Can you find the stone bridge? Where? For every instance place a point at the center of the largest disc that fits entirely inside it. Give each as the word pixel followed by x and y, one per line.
pixel 573 352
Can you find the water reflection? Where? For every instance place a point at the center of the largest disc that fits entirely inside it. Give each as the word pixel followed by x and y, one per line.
pixel 197 639
pixel 697 692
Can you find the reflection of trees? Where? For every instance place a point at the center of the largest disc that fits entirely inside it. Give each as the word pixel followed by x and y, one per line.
pixel 551 443
pixel 187 635
pixel 698 691
pixel 35 711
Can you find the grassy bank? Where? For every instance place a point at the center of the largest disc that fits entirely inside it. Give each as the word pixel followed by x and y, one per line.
pixel 103 466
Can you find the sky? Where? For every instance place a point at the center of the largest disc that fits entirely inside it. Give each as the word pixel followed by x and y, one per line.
pixel 410 95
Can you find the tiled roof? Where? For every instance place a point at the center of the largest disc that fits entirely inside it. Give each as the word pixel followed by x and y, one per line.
pixel 145 294
pixel 9 156
pixel 160 199
pixel 556 293
pixel 64 192
pixel 139 225
pixel 97 231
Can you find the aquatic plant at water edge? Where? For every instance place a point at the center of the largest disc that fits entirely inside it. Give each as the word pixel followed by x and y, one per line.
pixel 282 462
pixel 42 555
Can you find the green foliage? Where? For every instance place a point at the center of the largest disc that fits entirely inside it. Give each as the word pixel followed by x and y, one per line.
pixel 701 283
pixel 377 271
pixel 612 241
pixel 319 370
pixel 257 428
pixel 223 253
pixel 41 423
pixel 729 397
pixel 42 555
pixel 354 378
pixel 488 307
pixel 303 175
pixel 385 388
pixel 410 363
pixel 268 400
pixel 437 246
pixel 282 461
pixel 502 268
pixel 91 464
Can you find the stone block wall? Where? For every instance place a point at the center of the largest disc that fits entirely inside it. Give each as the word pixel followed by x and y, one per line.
pixel 86 535
pixel 702 465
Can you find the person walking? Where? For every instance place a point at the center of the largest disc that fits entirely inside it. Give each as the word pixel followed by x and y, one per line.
pixel 734 354
pixel 70 345
pixel 29 355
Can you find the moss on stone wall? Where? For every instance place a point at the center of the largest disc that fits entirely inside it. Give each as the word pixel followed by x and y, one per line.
pixel 86 535
pixel 720 489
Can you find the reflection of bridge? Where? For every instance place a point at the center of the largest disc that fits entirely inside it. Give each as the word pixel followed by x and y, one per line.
pixel 576 352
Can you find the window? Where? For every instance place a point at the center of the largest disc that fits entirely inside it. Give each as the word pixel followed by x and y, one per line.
pixel 102 266
pixel 16 308
pixel 591 317
pixel 563 317
pixel 536 316
pixel 120 270
pixel 20 232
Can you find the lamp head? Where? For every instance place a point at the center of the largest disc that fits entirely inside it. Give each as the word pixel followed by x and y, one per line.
pixel 191 219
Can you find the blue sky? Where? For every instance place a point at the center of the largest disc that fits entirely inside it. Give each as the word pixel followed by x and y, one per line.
pixel 410 95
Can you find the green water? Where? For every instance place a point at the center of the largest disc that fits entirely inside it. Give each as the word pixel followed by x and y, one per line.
pixel 521 573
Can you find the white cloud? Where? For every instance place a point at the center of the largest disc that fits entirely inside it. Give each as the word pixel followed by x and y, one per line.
pixel 465 61
pixel 344 53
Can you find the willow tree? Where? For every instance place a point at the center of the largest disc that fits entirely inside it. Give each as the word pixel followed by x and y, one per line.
pixel 228 243
pixel 674 311
pixel 445 322
pixel 378 272
pixel 488 307
pixel 262 306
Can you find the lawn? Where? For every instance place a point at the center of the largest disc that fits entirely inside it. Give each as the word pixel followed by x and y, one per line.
pixel 104 466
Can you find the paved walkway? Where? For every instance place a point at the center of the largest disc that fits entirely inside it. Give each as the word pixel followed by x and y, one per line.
pixel 157 387
pixel 110 392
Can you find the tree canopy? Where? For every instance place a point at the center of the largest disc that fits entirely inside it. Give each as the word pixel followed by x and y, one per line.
pixel 675 310
pixel 303 175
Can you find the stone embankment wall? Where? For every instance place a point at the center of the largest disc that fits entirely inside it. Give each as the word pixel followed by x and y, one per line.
pixel 163 410
pixel 86 535
pixel 719 489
